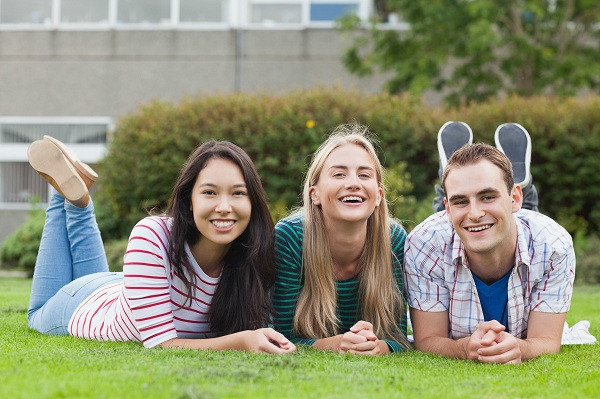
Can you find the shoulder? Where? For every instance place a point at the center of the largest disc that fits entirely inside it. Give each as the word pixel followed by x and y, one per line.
pixel 435 229
pixel 541 230
pixel 290 228
pixel 154 228
pixel 397 236
pixel 396 230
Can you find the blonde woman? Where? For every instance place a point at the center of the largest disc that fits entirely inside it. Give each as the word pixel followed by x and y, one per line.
pixel 339 282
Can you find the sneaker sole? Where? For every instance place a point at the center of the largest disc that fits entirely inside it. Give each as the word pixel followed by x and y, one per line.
pixel 514 141
pixel 452 136
pixel 49 161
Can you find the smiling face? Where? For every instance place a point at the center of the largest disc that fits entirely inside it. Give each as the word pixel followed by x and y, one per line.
pixel 347 189
pixel 480 209
pixel 220 204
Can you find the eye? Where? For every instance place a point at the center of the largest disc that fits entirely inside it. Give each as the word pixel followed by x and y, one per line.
pixel 460 203
pixel 364 175
pixel 239 193
pixel 488 198
pixel 338 174
pixel 208 192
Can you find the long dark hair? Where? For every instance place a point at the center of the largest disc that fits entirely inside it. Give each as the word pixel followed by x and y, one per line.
pixel 242 298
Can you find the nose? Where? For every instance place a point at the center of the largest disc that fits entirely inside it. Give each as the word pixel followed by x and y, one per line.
pixel 476 212
pixel 352 182
pixel 223 205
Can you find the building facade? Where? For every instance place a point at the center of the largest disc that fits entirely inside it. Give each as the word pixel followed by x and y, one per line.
pixel 71 68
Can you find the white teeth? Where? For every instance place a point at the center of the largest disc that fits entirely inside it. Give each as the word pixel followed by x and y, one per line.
pixel 479 228
pixel 352 198
pixel 222 224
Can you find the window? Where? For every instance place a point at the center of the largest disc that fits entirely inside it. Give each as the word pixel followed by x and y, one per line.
pixel 276 12
pixel 26 11
pixel 167 14
pixel 144 11
pixel 330 11
pixel 83 11
pixel 19 183
pixel 203 11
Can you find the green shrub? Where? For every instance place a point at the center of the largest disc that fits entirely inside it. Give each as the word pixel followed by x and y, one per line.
pixel 115 249
pixel 587 251
pixel 280 132
pixel 19 250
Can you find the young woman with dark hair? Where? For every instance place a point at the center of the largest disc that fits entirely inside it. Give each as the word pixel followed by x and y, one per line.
pixel 197 277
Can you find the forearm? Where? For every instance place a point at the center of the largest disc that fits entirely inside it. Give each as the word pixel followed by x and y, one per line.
pixel 227 342
pixel 444 346
pixel 544 334
pixel 329 343
pixel 534 347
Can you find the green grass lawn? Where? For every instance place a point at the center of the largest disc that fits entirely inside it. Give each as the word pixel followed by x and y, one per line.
pixel 37 366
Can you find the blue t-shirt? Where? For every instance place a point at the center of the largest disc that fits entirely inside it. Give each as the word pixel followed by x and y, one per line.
pixel 494 299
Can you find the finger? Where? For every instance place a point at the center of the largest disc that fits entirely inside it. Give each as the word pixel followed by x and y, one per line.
pixel 491 325
pixel 489 338
pixel 361 325
pixel 365 346
pixel 368 334
pixel 275 337
pixel 288 348
pixel 352 338
pixel 270 348
pixel 505 343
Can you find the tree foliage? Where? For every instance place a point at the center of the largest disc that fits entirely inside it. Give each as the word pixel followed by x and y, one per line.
pixel 476 49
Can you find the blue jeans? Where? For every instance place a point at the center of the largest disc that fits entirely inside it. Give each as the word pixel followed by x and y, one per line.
pixel 71 265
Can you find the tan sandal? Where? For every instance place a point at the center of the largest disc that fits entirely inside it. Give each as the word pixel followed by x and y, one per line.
pixel 88 175
pixel 50 162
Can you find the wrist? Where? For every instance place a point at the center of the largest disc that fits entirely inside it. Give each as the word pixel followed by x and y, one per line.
pixel 464 347
pixel 384 348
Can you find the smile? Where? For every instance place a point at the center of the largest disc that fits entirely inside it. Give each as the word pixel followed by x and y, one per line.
pixel 222 224
pixel 352 199
pixel 479 228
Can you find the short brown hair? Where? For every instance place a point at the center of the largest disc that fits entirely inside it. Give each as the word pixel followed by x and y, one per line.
pixel 473 153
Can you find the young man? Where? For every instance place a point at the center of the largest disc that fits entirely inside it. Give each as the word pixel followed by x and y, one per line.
pixel 487 280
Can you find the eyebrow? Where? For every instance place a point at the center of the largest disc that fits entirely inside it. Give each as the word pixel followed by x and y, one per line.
pixel 214 185
pixel 489 190
pixel 346 168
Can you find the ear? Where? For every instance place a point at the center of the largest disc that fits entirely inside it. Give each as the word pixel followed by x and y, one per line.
pixel 447 205
pixel 379 197
pixel 517 197
pixel 313 192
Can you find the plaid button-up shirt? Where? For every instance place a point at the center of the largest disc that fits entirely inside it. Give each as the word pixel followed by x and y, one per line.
pixel 438 278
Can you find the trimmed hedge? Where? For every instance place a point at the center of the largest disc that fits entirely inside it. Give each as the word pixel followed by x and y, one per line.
pixel 280 132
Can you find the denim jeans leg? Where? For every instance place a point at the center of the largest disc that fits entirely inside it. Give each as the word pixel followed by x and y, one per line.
pixel 53 318
pixel 87 250
pixel 53 266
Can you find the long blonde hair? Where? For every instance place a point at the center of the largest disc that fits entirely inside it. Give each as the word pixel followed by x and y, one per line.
pixel 381 302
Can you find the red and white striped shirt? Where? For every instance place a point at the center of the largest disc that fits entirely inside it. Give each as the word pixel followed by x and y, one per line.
pixel 149 306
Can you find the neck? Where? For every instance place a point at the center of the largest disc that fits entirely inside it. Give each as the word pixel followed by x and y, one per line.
pixel 346 243
pixel 491 266
pixel 209 256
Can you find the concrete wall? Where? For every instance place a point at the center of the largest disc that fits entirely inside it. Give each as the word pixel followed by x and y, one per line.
pixel 10 220
pixel 110 72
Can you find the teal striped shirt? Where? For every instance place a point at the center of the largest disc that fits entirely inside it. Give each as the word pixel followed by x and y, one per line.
pixel 289 234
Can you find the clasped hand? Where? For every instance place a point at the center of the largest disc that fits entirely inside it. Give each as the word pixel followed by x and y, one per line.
pixel 491 344
pixel 360 340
